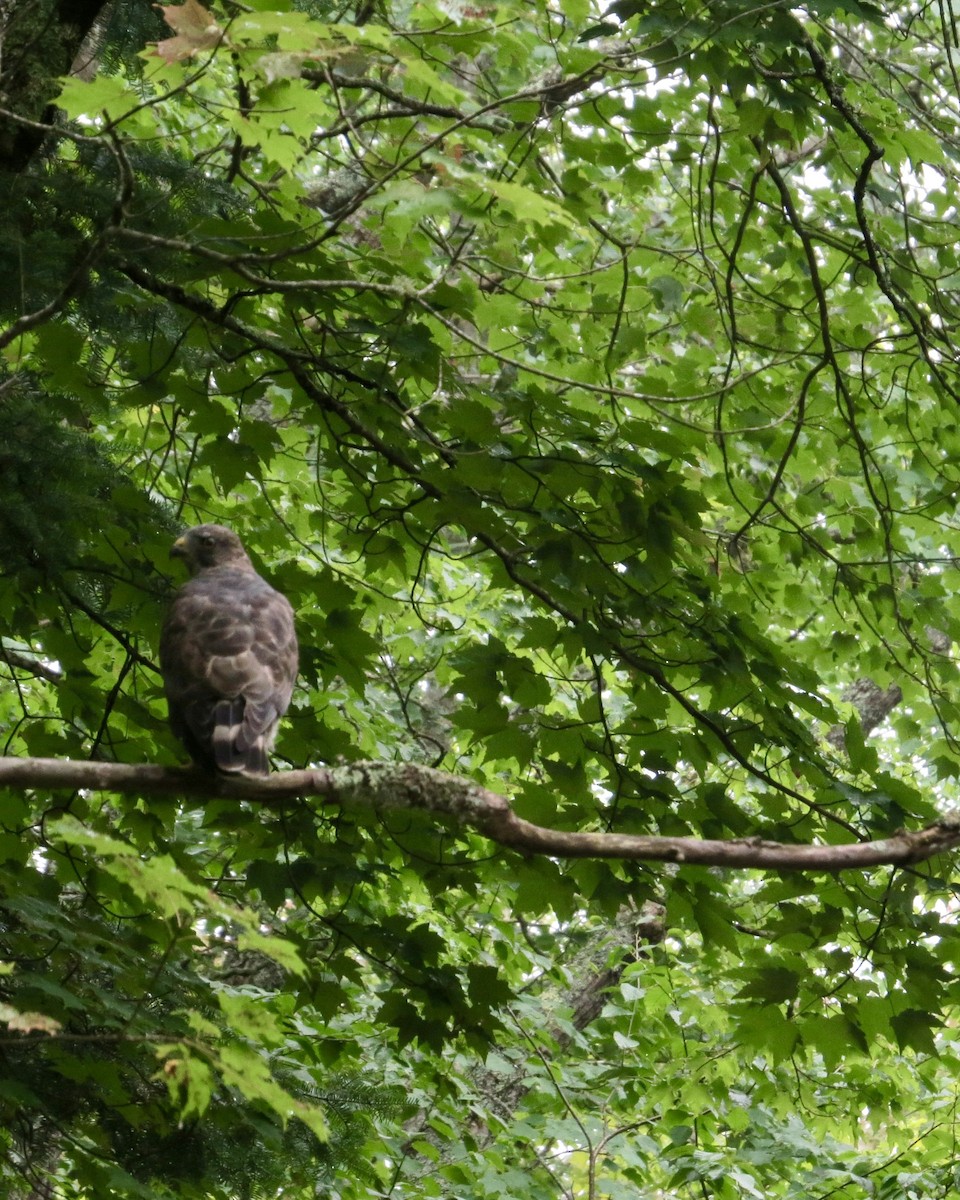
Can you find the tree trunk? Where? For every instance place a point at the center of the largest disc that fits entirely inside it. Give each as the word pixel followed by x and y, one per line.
pixel 39 43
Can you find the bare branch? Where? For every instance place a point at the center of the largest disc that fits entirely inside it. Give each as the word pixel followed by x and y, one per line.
pixel 31 665
pixel 384 787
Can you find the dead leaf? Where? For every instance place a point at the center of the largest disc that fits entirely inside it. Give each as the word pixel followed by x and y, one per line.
pixel 28 1022
pixel 195 27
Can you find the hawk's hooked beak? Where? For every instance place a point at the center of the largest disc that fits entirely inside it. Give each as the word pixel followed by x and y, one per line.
pixel 179 548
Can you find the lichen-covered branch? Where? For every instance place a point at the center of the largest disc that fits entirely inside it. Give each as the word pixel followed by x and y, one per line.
pixel 395 786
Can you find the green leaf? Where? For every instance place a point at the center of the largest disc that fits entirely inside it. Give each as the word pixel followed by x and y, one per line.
pixel 913 1030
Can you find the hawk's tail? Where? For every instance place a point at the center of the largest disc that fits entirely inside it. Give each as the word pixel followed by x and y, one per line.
pixel 237 747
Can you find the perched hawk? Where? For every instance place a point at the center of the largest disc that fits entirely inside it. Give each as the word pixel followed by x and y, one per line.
pixel 228 653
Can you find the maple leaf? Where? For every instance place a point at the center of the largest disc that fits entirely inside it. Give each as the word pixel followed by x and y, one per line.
pixel 195 28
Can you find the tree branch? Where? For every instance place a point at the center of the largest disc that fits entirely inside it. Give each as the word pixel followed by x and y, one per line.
pixel 404 786
pixel 29 664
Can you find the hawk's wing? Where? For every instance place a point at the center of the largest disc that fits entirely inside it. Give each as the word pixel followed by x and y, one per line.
pixel 228 653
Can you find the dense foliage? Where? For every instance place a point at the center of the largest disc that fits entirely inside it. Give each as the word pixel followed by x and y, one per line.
pixel 588 378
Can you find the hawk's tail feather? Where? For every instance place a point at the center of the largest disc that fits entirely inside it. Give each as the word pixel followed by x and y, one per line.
pixel 232 749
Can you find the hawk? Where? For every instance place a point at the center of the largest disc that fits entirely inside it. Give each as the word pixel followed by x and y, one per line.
pixel 228 654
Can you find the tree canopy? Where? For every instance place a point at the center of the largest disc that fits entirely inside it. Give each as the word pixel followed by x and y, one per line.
pixel 587 377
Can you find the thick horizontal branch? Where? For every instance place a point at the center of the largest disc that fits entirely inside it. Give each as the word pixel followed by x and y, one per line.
pixel 383 787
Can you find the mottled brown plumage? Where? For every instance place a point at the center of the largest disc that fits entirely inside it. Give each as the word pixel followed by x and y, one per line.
pixel 228 653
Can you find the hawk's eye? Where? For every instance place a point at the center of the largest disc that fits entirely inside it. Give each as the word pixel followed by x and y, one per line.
pixel 208 539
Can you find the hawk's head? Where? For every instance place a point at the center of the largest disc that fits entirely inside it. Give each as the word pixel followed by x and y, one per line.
pixel 210 546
